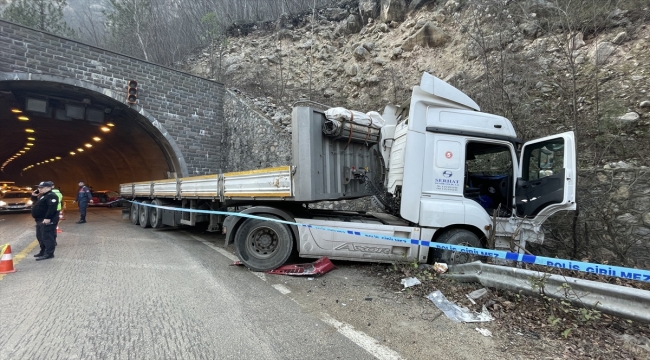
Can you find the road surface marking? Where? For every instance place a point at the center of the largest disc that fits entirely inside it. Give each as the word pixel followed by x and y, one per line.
pixel 360 338
pixel 282 289
pixel 225 253
pixel 21 255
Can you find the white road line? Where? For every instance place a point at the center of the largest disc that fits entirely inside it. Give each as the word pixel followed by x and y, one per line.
pixel 360 338
pixel 282 289
pixel 225 253
pixel 216 248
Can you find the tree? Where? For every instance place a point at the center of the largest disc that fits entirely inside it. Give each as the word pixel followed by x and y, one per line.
pixel 128 23
pixel 45 15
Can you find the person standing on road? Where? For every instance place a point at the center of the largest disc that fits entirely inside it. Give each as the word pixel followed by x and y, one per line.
pixel 84 196
pixel 45 213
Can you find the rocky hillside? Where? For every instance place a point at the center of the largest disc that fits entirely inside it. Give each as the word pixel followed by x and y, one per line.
pixel 365 54
pixel 548 65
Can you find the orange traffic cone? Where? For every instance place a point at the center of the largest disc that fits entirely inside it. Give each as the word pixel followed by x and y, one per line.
pixel 6 260
pixel 58 229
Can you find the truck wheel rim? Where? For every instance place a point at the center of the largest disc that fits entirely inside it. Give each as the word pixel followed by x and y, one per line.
pixel 262 243
pixel 458 257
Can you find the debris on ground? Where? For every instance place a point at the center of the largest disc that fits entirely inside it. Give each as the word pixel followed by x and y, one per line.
pixel 455 312
pixel 484 332
pixel 412 281
pixel 440 268
pixel 317 268
pixel 477 294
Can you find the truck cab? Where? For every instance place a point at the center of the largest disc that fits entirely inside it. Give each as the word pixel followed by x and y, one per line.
pixel 456 167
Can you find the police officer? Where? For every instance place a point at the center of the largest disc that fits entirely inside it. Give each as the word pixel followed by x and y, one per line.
pixel 44 211
pixel 84 197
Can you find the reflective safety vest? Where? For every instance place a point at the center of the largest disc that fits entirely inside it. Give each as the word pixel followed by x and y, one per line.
pixel 60 196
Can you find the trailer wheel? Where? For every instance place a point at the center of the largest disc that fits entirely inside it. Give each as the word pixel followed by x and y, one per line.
pixel 457 237
pixel 135 214
pixel 155 215
pixel 263 245
pixel 144 214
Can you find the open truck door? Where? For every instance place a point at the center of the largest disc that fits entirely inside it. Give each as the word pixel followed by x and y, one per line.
pixel 546 181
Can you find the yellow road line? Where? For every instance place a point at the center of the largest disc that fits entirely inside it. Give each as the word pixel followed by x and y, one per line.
pixel 21 255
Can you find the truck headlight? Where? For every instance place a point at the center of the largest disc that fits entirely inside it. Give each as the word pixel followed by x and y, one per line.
pixel 2 203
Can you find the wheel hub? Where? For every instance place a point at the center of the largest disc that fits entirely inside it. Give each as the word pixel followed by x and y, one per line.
pixel 262 243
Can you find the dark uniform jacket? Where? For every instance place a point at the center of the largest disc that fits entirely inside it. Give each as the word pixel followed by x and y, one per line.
pixel 45 207
pixel 84 194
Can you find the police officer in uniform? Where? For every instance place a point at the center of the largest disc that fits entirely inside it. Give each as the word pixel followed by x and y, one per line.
pixel 44 211
pixel 83 198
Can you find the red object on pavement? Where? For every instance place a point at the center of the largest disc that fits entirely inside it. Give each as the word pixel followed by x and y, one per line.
pixel 6 260
pixel 317 268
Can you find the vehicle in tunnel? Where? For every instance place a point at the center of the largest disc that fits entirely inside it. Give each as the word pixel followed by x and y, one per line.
pixel 441 170
pixel 105 198
pixel 16 201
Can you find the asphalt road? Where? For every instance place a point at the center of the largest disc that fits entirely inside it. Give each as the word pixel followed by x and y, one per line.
pixel 117 291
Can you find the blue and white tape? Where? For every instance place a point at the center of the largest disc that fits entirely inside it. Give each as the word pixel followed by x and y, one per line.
pixel 600 269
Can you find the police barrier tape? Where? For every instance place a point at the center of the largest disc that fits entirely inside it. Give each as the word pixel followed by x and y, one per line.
pixel 600 269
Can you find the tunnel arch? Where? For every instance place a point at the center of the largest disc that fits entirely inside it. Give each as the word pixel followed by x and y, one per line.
pixel 130 159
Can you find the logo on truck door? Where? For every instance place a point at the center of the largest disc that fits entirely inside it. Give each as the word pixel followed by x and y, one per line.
pixel 364 248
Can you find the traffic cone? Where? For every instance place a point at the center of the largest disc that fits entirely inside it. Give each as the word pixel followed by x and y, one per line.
pixel 61 215
pixel 6 260
pixel 58 229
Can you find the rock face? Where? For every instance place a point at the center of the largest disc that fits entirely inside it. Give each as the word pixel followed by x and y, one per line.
pixel 369 9
pixel 602 53
pixel 393 10
pixel 428 36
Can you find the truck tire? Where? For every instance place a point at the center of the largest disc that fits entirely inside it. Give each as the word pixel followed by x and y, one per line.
pixel 263 245
pixel 135 214
pixel 144 215
pixel 457 237
pixel 155 215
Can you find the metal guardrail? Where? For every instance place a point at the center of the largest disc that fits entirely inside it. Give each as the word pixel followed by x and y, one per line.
pixel 625 302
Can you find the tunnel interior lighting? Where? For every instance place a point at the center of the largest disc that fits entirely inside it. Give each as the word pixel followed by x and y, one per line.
pixel 105 129
pixel 72 153
pixel 88 145
pixel 80 150
pixel 97 138
pixel 31 138
pixel 36 105
pixel 30 144
pixel 47 161
pixel 110 124
pixel 23 118
pixel 58 158
pixel 26 148
pixel 22 151
pixel 16 111
pixel 29 130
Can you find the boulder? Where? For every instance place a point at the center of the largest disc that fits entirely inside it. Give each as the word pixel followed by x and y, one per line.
pixel 576 41
pixel 335 14
pixel 529 29
pixel 621 38
pixel 392 10
pixel 369 9
pixel 351 25
pixel 628 118
pixel 360 53
pixel 427 36
pixel 601 54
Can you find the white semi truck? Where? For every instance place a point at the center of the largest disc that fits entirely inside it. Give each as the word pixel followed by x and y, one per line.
pixel 441 170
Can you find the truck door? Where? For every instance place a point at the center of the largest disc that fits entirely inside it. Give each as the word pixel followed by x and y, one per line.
pixel 546 180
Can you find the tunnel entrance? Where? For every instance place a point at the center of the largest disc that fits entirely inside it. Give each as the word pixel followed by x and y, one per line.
pixel 65 133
